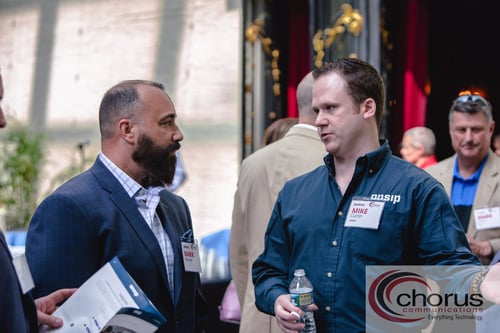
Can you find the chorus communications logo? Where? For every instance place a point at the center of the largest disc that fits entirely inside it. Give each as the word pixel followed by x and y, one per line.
pixel 387 303
pixel 407 296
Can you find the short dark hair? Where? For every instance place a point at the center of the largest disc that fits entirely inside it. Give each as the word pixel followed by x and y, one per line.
pixel 119 102
pixel 363 81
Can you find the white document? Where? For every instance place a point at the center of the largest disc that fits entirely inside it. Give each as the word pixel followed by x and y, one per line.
pixel 23 272
pixel 109 301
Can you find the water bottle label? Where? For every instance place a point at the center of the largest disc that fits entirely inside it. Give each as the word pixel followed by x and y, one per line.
pixel 302 299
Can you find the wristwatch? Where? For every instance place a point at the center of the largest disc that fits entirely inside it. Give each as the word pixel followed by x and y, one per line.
pixel 476 282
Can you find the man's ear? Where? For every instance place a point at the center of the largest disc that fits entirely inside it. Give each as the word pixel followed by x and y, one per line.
pixel 127 130
pixel 368 108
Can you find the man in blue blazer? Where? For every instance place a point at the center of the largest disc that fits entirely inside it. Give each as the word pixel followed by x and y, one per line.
pixel 111 210
pixel 18 311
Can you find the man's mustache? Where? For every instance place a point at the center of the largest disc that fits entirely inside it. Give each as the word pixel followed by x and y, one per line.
pixel 173 147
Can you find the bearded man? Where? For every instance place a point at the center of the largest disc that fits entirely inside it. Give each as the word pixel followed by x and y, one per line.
pixel 121 207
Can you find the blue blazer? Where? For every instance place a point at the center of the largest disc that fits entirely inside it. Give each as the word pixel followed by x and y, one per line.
pixel 89 220
pixel 17 311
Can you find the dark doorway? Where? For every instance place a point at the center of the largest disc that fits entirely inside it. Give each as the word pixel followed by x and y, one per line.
pixel 461 57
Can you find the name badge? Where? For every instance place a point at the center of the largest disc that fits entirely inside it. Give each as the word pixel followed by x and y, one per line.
pixel 487 218
pixel 364 213
pixel 191 256
pixel 23 273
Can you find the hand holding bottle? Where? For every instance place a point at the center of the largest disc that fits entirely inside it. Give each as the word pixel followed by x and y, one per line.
pixel 301 294
pixel 294 312
pixel 287 315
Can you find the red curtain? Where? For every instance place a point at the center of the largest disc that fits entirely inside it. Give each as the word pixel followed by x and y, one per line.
pixel 300 48
pixel 413 75
pixel 415 65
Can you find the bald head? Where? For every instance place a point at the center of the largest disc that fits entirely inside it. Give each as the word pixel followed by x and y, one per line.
pixel 121 101
pixel 304 100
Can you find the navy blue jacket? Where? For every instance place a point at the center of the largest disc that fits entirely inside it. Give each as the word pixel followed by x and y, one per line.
pixel 89 220
pixel 17 311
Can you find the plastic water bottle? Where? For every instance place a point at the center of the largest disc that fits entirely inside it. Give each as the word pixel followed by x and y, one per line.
pixel 301 291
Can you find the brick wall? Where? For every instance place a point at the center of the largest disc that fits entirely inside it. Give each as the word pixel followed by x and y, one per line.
pixel 58 58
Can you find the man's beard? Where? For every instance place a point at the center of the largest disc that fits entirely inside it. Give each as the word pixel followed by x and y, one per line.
pixel 158 162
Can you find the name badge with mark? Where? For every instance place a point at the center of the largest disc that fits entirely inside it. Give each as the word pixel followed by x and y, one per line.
pixel 364 213
pixel 191 257
pixel 190 252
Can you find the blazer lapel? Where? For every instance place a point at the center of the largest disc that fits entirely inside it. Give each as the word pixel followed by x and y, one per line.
pixel 167 219
pixel 447 174
pixel 131 214
pixel 488 182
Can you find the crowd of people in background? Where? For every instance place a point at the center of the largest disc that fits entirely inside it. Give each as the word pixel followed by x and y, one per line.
pixel 294 196
pixel 470 176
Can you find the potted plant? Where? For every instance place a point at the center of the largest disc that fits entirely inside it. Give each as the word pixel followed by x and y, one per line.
pixel 21 157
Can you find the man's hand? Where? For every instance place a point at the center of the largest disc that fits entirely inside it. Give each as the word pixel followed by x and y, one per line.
pixel 288 315
pixel 46 305
pixel 482 249
pixel 490 288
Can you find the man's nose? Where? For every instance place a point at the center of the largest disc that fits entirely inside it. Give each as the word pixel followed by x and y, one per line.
pixel 320 120
pixel 468 134
pixel 178 136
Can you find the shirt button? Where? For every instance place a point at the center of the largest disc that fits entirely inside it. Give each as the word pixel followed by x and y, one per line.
pixel 329 274
pixel 370 171
pixel 334 243
pixel 327 309
pixel 340 213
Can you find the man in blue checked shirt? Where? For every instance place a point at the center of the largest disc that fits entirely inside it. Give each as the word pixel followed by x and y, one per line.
pixel 121 207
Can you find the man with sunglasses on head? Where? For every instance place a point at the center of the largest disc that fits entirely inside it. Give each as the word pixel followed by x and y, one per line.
pixel 471 176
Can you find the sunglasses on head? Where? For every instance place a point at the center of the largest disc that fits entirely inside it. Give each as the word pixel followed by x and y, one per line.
pixel 471 98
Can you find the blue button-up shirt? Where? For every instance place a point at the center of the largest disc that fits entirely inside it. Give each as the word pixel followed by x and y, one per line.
pixel 306 230
pixel 463 191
